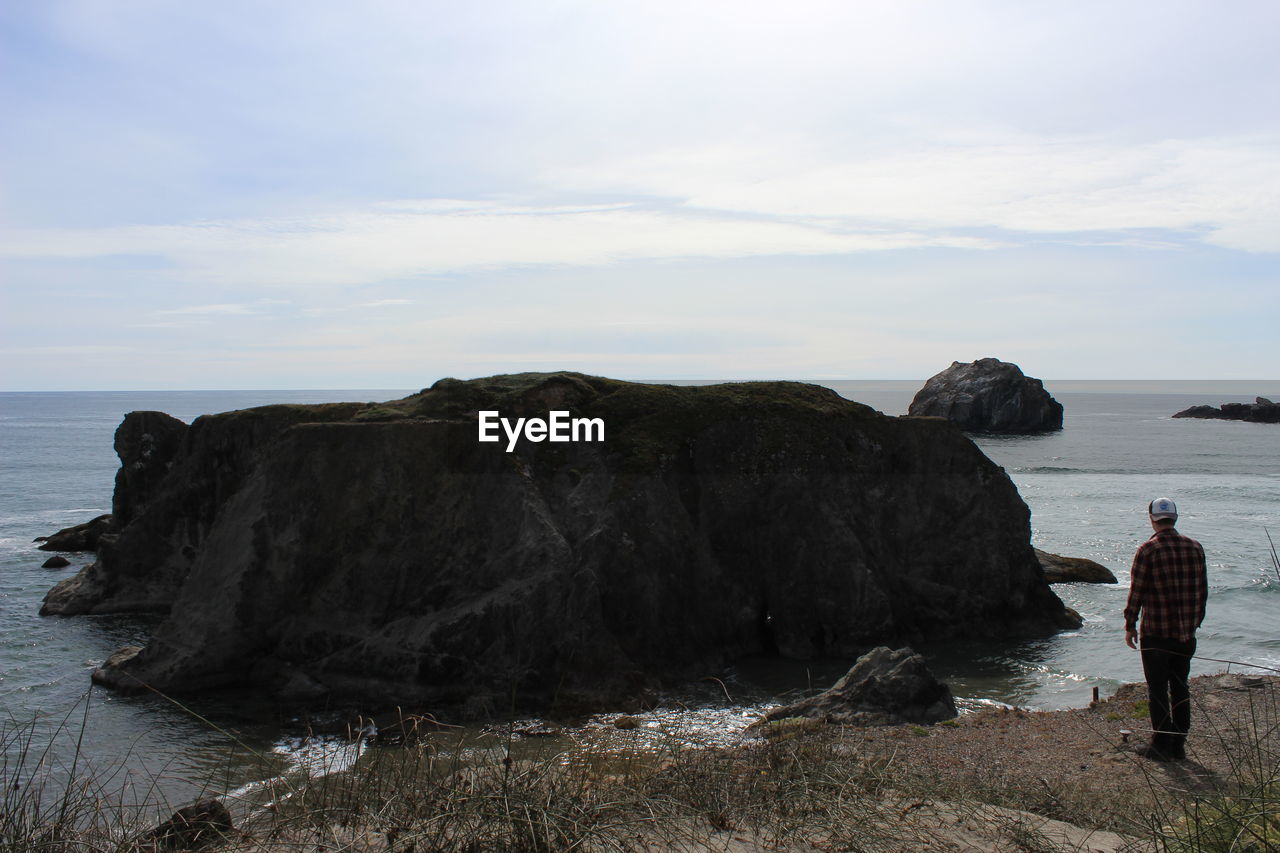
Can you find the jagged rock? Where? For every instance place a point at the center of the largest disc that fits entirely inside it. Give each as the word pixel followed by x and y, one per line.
pixel 400 560
pixel 988 395
pixel 146 443
pixel 1059 569
pixel 193 827
pixel 55 563
pixel 1263 411
pixel 78 537
pixel 884 687
pixel 1200 412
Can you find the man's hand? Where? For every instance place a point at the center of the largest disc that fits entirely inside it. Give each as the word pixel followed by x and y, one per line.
pixel 1131 638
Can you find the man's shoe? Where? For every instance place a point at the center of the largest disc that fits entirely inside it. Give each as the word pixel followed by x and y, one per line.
pixel 1155 753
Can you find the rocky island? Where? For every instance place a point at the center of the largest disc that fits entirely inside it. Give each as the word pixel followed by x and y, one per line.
pixel 988 395
pixel 381 551
pixel 1260 411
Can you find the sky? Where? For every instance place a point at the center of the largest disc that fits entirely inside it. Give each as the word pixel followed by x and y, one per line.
pixel 333 195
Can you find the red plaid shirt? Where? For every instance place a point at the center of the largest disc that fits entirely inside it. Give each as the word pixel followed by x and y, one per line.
pixel 1168 585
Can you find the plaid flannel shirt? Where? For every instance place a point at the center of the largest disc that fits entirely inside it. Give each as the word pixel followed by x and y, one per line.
pixel 1168 586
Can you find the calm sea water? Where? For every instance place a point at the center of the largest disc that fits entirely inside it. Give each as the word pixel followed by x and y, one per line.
pixel 1087 487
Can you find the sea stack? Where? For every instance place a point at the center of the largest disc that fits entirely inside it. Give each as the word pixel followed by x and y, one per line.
pixel 988 395
pixel 382 552
pixel 1260 411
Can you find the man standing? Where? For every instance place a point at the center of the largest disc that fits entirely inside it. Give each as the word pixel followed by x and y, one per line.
pixel 1168 586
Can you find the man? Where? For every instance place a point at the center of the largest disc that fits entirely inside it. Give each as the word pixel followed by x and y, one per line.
pixel 1168 587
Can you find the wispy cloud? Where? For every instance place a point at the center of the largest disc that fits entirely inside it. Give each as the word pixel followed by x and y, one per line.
pixel 735 202
pixel 1226 190
pixel 203 310
pixel 383 303
pixel 375 244
pixel 67 350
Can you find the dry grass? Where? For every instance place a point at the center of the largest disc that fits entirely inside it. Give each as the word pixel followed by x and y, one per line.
pixel 993 781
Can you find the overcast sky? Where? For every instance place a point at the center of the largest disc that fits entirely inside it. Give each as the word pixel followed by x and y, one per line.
pixel 335 195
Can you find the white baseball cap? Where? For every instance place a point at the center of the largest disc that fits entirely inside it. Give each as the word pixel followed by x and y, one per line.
pixel 1163 508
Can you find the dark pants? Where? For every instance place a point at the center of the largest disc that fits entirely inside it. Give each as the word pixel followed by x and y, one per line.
pixel 1166 664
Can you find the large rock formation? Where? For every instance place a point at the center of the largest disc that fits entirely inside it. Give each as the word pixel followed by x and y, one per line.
pixel 1261 411
pixel 988 395
pixel 884 687
pixel 383 552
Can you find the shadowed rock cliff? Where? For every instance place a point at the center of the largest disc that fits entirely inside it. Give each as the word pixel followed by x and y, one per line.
pixel 380 551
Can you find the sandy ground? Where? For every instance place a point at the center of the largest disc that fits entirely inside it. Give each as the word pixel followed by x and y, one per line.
pixel 1078 764
pixel 1235 725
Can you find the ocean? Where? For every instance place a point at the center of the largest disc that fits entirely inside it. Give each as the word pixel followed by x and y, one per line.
pixel 1087 487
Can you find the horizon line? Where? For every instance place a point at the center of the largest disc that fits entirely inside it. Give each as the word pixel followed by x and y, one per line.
pixel 704 380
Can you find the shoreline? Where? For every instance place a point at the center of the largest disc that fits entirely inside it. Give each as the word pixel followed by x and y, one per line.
pixel 985 781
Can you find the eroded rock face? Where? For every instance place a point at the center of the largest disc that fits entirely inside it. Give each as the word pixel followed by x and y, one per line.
pixel 382 552
pixel 988 395
pixel 884 687
pixel 1261 411
pixel 142 563
pixel 146 443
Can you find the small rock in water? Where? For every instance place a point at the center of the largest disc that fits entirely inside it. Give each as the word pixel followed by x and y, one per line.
pixel 1059 569
pixel 109 674
pixel 55 563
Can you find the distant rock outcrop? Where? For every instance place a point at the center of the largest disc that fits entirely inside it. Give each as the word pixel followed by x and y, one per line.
pixel 383 553
pixel 1261 411
pixel 884 687
pixel 988 395
pixel 1059 569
